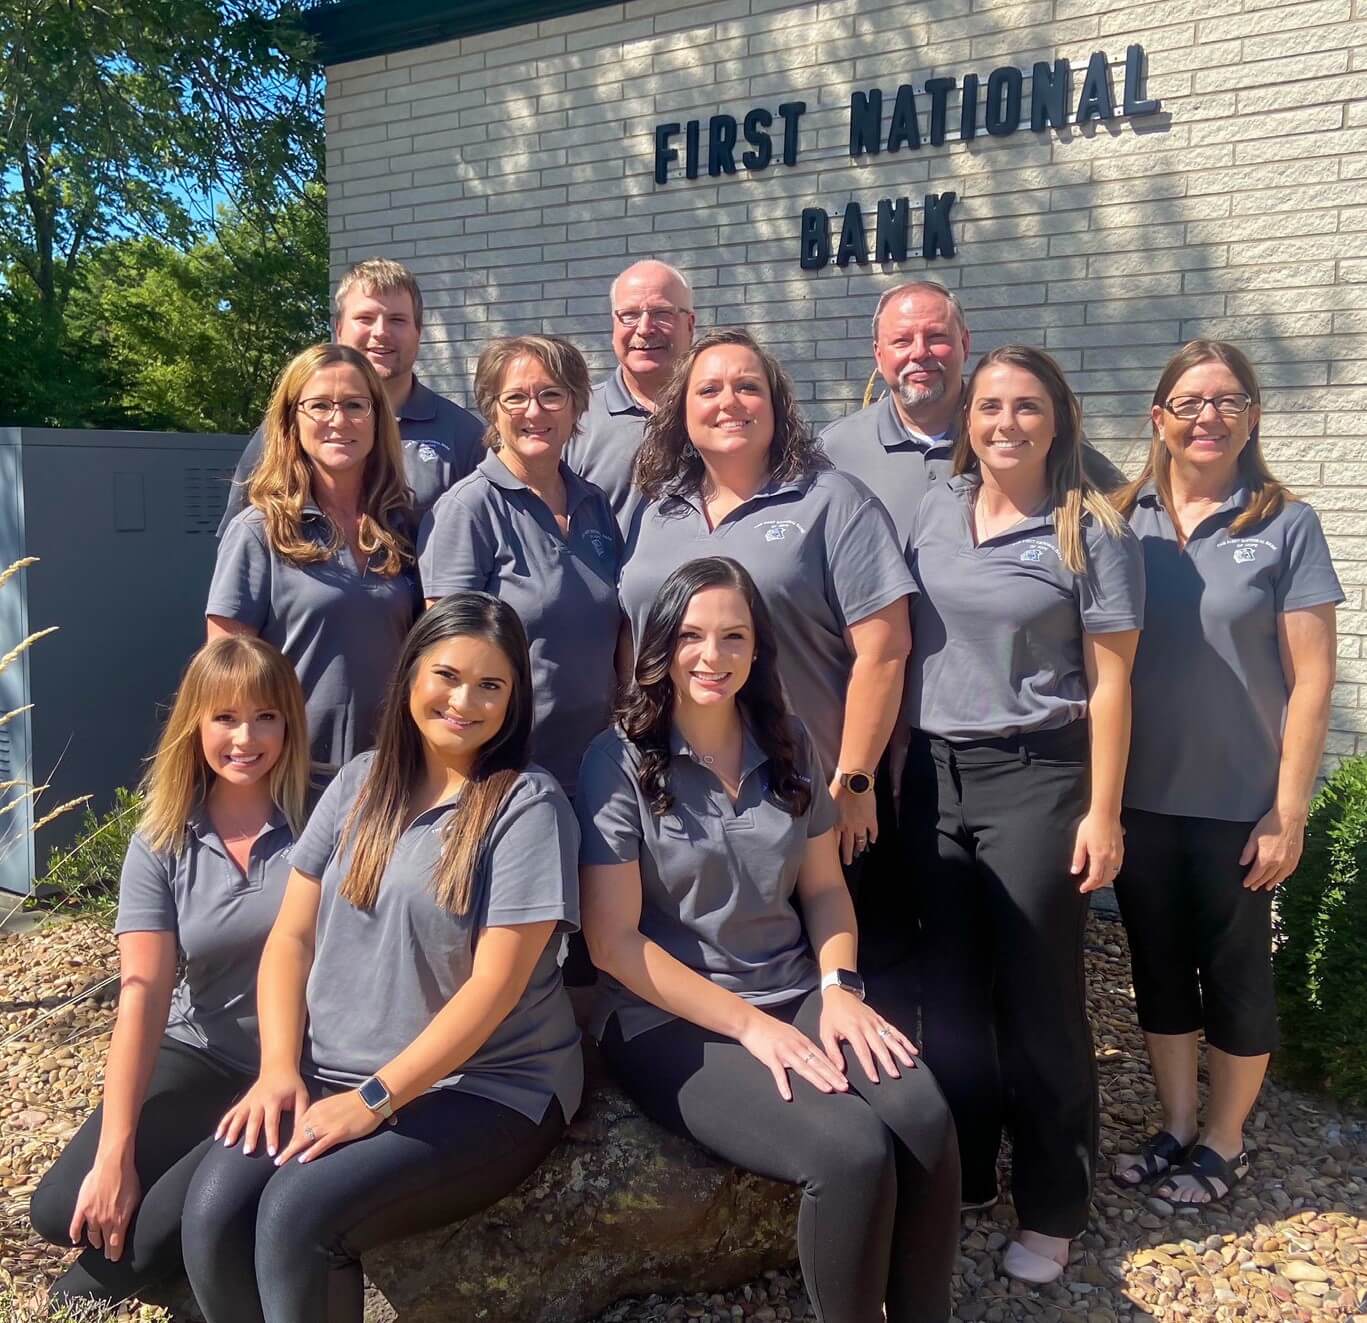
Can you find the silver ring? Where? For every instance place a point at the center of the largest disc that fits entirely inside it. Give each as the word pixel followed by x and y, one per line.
pixel 308 1132
pixel 885 1032
pixel 811 1056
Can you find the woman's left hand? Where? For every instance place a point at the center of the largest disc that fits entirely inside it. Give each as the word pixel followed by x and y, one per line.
pixel 1099 848
pixel 872 1038
pixel 327 1123
pixel 856 826
pixel 1273 848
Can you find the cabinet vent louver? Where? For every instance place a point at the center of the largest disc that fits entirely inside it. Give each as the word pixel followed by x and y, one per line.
pixel 206 493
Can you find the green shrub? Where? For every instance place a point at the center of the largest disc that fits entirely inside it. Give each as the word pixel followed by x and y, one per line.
pixel 86 873
pixel 1321 955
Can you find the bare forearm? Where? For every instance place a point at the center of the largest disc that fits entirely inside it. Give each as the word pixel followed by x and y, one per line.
pixel 1109 712
pixel 1307 725
pixel 830 923
pixel 280 988
pixel 872 701
pixel 143 1011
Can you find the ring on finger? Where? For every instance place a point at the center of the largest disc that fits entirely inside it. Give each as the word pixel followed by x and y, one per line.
pixel 811 1056
pixel 885 1032
pixel 308 1133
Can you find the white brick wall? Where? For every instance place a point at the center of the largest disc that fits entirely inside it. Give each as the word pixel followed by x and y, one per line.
pixel 514 172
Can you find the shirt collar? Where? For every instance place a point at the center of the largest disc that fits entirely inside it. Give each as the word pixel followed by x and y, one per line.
pixel 893 432
pixel 498 473
pixel 619 399
pixel 964 484
pixel 420 406
pixel 772 487
pixel 1238 499
pixel 202 825
pixel 751 755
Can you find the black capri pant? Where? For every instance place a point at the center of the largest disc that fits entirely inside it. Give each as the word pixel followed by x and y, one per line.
pixel 285 1243
pixel 878 1166
pixel 1200 943
pixel 990 828
pixel 188 1092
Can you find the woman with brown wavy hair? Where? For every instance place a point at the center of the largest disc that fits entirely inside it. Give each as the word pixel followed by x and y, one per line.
pixel 728 467
pixel 1231 705
pixel 321 563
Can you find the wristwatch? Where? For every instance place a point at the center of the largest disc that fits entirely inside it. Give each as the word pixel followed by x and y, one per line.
pixel 856 782
pixel 848 980
pixel 376 1096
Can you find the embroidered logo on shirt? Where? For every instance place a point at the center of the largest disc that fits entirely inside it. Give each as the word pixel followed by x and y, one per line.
pixel 600 541
pixel 776 530
pixel 1245 548
pixel 427 450
pixel 1035 549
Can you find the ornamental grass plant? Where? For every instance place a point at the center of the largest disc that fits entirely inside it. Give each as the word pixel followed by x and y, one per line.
pixel 1320 959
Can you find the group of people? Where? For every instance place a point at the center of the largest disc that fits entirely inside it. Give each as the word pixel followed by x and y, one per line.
pixel 824 740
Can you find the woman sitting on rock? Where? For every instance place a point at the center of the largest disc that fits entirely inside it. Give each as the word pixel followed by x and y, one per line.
pixel 419 1054
pixel 202 880
pixel 729 1018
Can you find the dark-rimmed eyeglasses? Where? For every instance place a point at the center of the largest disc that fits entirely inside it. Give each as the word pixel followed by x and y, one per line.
pixel 550 398
pixel 1189 407
pixel 354 409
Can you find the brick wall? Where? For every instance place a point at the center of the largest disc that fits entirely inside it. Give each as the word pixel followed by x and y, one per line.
pixel 514 172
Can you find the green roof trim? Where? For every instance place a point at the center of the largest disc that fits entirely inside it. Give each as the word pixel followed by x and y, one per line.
pixel 357 29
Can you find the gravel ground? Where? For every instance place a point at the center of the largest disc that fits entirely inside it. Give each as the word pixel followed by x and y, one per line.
pixel 1290 1245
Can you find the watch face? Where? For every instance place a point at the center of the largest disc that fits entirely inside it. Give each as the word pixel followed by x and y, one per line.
pixel 852 982
pixel 373 1093
pixel 860 782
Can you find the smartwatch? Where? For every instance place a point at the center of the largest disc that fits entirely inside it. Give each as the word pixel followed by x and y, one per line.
pixel 848 980
pixel 376 1096
pixel 856 782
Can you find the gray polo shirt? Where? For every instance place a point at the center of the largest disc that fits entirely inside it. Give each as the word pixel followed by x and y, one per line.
pixel 996 629
pixel 717 878
pixel 1209 691
pixel 380 976
pixel 340 628
pixel 491 532
pixel 220 920
pixel 603 449
pixel 824 555
pixel 441 444
pixel 878 448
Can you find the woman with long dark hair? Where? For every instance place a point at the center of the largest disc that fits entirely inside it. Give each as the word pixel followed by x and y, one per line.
pixel 419 1053
pixel 727 1016
pixel 1231 705
pixel 1029 596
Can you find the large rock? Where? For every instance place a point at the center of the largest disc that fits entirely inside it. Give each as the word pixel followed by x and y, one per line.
pixel 620 1208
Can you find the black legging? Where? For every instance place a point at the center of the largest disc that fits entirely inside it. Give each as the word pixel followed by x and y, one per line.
pixel 285 1243
pixel 878 1166
pixel 188 1093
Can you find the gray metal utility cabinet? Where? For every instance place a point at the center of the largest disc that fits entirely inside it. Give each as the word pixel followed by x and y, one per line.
pixel 123 526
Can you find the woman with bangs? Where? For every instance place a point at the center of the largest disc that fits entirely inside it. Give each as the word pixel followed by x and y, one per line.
pixel 202 881
pixel 732 1016
pixel 1029 596
pixel 419 1054
pixel 321 563
pixel 1232 686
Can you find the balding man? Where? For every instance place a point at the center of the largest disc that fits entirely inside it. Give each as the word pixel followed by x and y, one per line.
pixel 905 441
pixel 378 310
pixel 652 324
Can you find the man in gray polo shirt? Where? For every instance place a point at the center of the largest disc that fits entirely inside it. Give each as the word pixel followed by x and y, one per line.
pixel 905 441
pixel 652 324
pixel 378 310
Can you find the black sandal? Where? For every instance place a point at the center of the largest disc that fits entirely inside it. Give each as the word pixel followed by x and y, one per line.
pixel 1205 1166
pixel 1160 1147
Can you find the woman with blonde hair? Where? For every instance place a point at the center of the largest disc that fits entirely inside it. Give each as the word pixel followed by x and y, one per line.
pixel 203 878
pixel 419 1054
pixel 1231 705
pixel 321 563
pixel 1025 619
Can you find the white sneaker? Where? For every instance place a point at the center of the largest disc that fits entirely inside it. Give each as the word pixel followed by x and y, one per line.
pixel 1027 1266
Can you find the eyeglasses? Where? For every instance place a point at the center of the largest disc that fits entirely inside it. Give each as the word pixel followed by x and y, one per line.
pixel 1191 406
pixel 353 409
pixel 550 398
pixel 664 315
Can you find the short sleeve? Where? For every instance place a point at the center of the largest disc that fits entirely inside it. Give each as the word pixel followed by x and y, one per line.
pixel 147 903
pixel 821 815
pixel 242 475
pixel 865 568
pixel 1307 576
pixel 609 811
pixel 533 862
pixel 241 587
pixel 456 548
pixel 1110 594
pixel 318 840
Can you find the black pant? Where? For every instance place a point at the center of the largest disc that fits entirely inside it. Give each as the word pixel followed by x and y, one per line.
pixel 285 1243
pixel 1003 1000
pixel 188 1093
pixel 1200 943
pixel 878 1166
pixel 883 901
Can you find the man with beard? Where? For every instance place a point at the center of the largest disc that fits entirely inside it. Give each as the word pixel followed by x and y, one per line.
pixel 905 441
pixel 378 311
pixel 652 324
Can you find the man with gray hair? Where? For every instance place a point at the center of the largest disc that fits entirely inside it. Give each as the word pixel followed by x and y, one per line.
pixel 652 325
pixel 377 310
pixel 904 442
